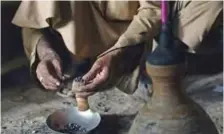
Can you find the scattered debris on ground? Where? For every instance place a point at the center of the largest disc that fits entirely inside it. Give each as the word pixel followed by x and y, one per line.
pixel 25 108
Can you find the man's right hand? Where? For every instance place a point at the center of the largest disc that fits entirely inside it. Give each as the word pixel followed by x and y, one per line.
pixel 49 69
pixel 49 72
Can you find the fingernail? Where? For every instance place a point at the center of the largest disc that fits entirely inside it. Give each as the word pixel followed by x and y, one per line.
pixel 58 83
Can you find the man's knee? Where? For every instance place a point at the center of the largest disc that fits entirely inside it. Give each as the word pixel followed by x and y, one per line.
pixel 194 21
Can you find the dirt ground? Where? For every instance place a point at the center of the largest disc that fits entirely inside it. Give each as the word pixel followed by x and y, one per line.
pixel 25 106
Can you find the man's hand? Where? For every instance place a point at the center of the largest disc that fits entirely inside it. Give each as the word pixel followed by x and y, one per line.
pixel 49 72
pixel 107 69
pixel 97 76
pixel 49 69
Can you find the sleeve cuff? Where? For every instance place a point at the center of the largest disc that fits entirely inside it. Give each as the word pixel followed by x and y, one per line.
pixel 31 38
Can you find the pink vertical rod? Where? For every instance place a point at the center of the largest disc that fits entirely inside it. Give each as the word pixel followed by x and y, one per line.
pixel 164 11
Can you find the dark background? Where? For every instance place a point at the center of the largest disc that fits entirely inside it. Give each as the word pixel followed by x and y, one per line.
pixel 11 45
pixel 14 64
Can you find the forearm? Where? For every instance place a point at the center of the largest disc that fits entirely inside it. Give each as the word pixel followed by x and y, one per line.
pixel 37 45
pixel 144 26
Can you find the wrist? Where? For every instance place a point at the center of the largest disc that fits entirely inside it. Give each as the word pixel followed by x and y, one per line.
pixel 44 50
pixel 49 55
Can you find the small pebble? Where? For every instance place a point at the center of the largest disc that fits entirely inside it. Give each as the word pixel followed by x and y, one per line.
pixel 33 122
pixel 46 110
pixel 101 104
pixel 107 109
pixel 67 103
pixel 4 127
pixel 65 90
pixel 34 132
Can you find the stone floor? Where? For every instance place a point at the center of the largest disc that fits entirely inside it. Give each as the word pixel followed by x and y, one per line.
pixel 25 106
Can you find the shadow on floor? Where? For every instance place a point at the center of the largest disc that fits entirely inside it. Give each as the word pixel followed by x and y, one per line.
pixel 204 64
pixel 114 124
pixel 15 78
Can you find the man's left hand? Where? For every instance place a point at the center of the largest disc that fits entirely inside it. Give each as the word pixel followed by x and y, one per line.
pixel 96 77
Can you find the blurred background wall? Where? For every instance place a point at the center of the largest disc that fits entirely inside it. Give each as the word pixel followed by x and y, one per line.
pixel 12 53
